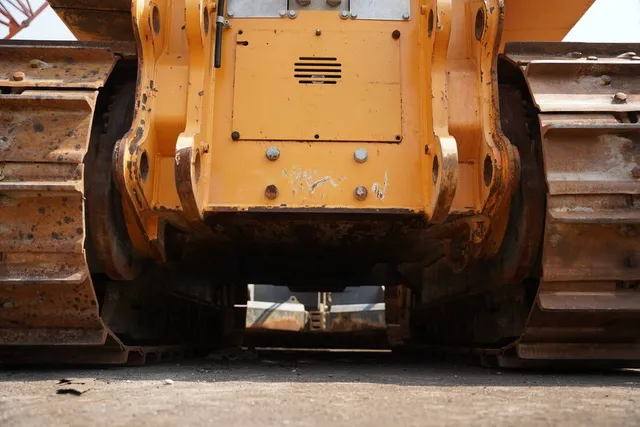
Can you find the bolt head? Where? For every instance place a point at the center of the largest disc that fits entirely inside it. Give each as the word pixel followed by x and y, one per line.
pixel 406 16
pixel 230 13
pixel 592 58
pixel 605 80
pixel 574 55
pixel 334 3
pixel 395 34
pixel 273 153
pixel 354 15
pixel 292 14
pixel 344 14
pixel 361 155
pixel 620 97
pixel 18 76
pixel 303 3
pixel 283 13
pixel 360 193
pixel 35 63
pixel 318 32
pixel 271 192
pixel 235 135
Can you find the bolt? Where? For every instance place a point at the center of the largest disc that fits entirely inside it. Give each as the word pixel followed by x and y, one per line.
pixel 360 155
pixel 575 55
pixel 406 16
pixel 293 14
pixel 605 80
pixel 36 63
pixel 235 135
pixel 592 58
pixel 273 153
pixel 634 260
pixel 18 76
pixel 360 193
pixel 318 32
pixel 395 35
pixel 620 98
pixel 354 15
pixel 303 3
pixel 635 172
pixel 283 13
pixel 344 14
pixel 334 3
pixel 230 13
pixel 271 192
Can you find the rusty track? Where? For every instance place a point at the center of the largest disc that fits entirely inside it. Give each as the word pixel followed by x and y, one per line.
pixel 47 297
pixel 588 301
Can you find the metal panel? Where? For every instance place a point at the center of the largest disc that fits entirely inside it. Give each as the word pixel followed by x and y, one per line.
pixel 317 83
pixel 384 10
pixel 256 8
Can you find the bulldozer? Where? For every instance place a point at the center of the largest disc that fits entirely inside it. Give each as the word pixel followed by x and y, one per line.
pixel 454 153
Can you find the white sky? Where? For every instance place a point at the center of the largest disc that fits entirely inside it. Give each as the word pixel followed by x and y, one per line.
pixel 606 21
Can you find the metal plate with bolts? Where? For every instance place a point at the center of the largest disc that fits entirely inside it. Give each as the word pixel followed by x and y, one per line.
pixel 256 8
pixel 317 83
pixel 384 10
pixel 319 5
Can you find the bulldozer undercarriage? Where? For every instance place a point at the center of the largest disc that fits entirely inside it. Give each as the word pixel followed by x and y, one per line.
pixel 143 183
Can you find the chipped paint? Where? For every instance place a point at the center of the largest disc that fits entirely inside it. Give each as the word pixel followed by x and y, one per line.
pixel 306 181
pixel 381 190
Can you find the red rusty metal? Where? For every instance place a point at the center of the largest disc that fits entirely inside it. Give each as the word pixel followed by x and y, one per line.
pixel 16 15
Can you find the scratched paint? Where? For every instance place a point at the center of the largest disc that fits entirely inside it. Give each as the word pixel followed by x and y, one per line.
pixel 308 181
pixel 381 190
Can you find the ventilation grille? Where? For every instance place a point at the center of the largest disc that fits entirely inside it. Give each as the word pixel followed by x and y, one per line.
pixel 317 70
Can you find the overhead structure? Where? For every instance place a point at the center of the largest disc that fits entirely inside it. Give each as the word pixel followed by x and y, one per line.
pixel 16 15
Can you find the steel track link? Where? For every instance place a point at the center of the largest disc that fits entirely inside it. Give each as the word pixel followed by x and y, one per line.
pixel 47 297
pixel 588 301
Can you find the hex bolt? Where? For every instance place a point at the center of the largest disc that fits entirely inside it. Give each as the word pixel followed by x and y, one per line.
pixel 635 172
pixel 605 80
pixel 230 13
pixel 273 153
pixel 235 135
pixel 334 3
pixel 271 192
pixel 283 13
pixel 318 31
pixel 620 98
pixel 406 16
pixel 18 76
pixel 344 14
pixel 361 155
pixel 360 193
pixel 36 63
pixel 592 58
pixel 354 15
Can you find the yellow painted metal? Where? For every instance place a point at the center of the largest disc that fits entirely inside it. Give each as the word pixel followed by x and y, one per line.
pixel 350 96
pixel 433 85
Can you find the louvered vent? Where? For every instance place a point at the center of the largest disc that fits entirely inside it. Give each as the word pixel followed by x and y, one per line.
pixel 317 70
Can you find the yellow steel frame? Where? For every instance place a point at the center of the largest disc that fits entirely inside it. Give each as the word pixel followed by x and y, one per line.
pixel 180 162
